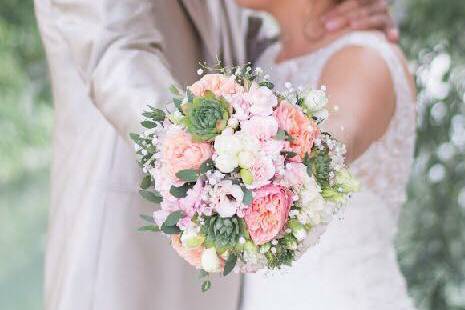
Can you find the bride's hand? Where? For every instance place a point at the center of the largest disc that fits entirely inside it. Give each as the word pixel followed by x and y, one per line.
pixel 362 15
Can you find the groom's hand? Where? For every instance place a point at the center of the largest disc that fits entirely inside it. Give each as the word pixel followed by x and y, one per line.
pixel 362 15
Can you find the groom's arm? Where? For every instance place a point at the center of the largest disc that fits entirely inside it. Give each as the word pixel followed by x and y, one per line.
pixel 118 51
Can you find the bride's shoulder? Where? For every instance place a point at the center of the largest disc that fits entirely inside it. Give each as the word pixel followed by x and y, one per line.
pixel 368 59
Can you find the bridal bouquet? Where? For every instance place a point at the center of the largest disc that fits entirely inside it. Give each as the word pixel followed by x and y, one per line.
pixel 244 176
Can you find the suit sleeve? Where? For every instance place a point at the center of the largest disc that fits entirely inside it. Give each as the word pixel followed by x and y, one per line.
pixel 118 51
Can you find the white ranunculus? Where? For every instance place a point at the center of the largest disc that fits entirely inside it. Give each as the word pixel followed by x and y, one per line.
pixel 226 163
pixel 246 159
pixel 227 144
pixel 316 100
pixel 210 261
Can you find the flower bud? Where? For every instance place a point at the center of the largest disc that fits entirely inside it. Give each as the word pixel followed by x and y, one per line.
pixel 246 176
pixel 210 261
pixel 298 230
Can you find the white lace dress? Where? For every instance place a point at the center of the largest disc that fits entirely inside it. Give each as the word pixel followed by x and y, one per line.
pixel 354 267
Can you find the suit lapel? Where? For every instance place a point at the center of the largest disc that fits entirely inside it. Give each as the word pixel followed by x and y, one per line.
pixel 201 18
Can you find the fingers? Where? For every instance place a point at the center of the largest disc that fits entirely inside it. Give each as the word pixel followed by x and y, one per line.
pixel 362 15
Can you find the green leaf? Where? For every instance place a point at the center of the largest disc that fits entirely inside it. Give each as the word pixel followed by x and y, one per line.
pixel 206 285
pixel 188 175
pixel 151 196
pixel 170 230
pixel 149 228
pixel 247 200
pixel 173 218
pixel 266 84
pixel 146 182
pixel 230 264
pixel 190 96
pixel 148 124
pixel 181 191
pixel 288 154
pixel 203 274
pixel 281 135
pixel 174 90
pixel 135 137
pixel 207 165
pixel 156 115
pixel 147 218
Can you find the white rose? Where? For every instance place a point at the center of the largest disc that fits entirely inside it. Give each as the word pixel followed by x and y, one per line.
pixel 226 163
pixel 316 100
pixel 210 261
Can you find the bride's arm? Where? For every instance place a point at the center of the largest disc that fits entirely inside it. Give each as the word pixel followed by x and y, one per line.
pixel 116 47
pixel 361 98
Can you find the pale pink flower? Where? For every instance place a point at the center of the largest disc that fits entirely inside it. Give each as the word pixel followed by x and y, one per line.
pixel 262 171
pixel 261 127
pixel 268 214
pixel 227 198
pixel 241 107
pixel 302 130
pixel 179 152
pixel 295 175
pixel 262 100
pixel 219 84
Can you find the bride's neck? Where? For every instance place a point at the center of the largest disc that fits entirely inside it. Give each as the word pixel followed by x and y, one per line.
pixel 301 28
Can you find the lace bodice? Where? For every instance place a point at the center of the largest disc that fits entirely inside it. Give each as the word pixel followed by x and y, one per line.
pixel 385 167
pixel 354 265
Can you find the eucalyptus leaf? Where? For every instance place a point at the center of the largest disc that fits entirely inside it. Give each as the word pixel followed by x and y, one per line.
pixel 188 175
pixel 146 182
pixel 148 124
pixel 170 230
pixel 230 264
pixel 203 274
pixel 280 135
pixel 267 84
pixel 153 228
pixel 173 218
pixel 181 191
pixel 151 196
pixel 147 218
pixel 247 200
pixel 207 165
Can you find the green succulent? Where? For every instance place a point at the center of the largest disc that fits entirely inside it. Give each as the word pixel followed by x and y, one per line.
pixel 222 233
pixel 206 117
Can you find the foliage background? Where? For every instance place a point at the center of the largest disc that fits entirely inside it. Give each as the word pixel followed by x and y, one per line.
pixel 431 240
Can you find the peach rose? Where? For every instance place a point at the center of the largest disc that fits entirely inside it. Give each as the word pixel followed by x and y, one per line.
pixel 269 212
pixel 302 130
pixel 218 84
pixel 192 256
pixel 179 152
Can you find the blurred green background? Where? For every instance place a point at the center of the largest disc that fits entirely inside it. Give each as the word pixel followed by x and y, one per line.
pixel 431 239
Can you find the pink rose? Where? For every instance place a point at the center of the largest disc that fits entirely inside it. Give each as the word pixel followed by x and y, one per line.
pixel 192 256
pixel 179 152
pixel 302 130
pixel 269 212
pixel 219 84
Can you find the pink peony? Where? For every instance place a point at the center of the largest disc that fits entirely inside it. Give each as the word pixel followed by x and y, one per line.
pixel 179 152
pixel 268 214
pixel 192 256
pixel 219 84
pixel 302 130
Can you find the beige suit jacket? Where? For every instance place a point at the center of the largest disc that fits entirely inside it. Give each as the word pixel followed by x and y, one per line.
pixel 108 59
